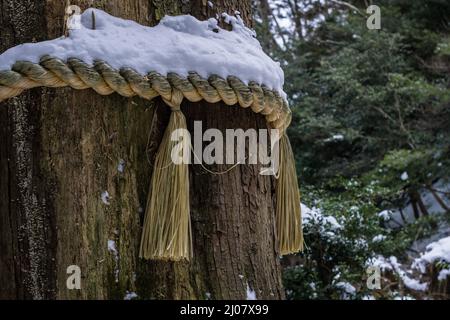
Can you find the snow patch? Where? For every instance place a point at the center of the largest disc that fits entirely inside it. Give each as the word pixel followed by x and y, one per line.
pixel 380 262
pixel 392 264
pixel 348 291
pixel 335 138
pixel 403 298
pixel 130 296
pixel 404 176
pixel 315 216
pixel 409 282
pixel 385 215
pixel 121 166
pixel 113 249
pixel 438 251
pixel 379 238
pixel 105 197
pixel 251 294
pixel 443 274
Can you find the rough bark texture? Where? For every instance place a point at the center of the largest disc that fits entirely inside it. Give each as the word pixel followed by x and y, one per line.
pixel 60 150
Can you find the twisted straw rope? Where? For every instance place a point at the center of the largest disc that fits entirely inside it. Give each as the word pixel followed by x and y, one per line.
pixel 54 73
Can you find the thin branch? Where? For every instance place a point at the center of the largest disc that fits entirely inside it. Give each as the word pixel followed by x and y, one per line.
pixel 348 5
pixel 439 200
pixel 384 114
pixel 280 31
pixel 266 12
pixel 438 191
pixel 401 123
pixel 332 42
pixel 297 18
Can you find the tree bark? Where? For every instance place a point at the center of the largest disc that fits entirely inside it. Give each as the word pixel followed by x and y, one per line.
pixel 59 153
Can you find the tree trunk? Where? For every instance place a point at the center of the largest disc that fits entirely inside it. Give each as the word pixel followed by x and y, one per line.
pixel 422 206
pixel 61 151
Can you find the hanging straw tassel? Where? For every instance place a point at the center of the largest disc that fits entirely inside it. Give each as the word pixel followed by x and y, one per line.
pixel 288 214
pixel 167 232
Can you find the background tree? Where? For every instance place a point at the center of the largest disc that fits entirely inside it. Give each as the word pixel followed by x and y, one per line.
pixel 74 175
pixel 370 130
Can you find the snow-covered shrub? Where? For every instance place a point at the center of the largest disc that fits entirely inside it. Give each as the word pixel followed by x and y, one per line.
pixel 437 253
pixel 425 277
pixel 347 234
pixel 340 236
pixel 434 265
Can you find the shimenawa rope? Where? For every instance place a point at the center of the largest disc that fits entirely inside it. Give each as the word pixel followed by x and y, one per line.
pixel 167 227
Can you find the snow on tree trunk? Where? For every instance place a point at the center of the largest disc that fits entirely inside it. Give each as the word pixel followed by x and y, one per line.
pixel 74 174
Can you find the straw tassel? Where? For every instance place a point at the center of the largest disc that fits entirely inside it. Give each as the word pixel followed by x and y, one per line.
pixel 288 214
pixel 167 231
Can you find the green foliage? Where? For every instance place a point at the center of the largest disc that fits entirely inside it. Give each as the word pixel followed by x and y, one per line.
pixel 371 128
pixel 340 254
pixel 366 86
pixel 443 48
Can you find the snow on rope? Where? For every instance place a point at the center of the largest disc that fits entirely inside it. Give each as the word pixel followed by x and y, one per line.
pixel 197 58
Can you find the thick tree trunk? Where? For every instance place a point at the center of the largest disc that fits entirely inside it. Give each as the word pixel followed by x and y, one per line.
pixel 60 151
